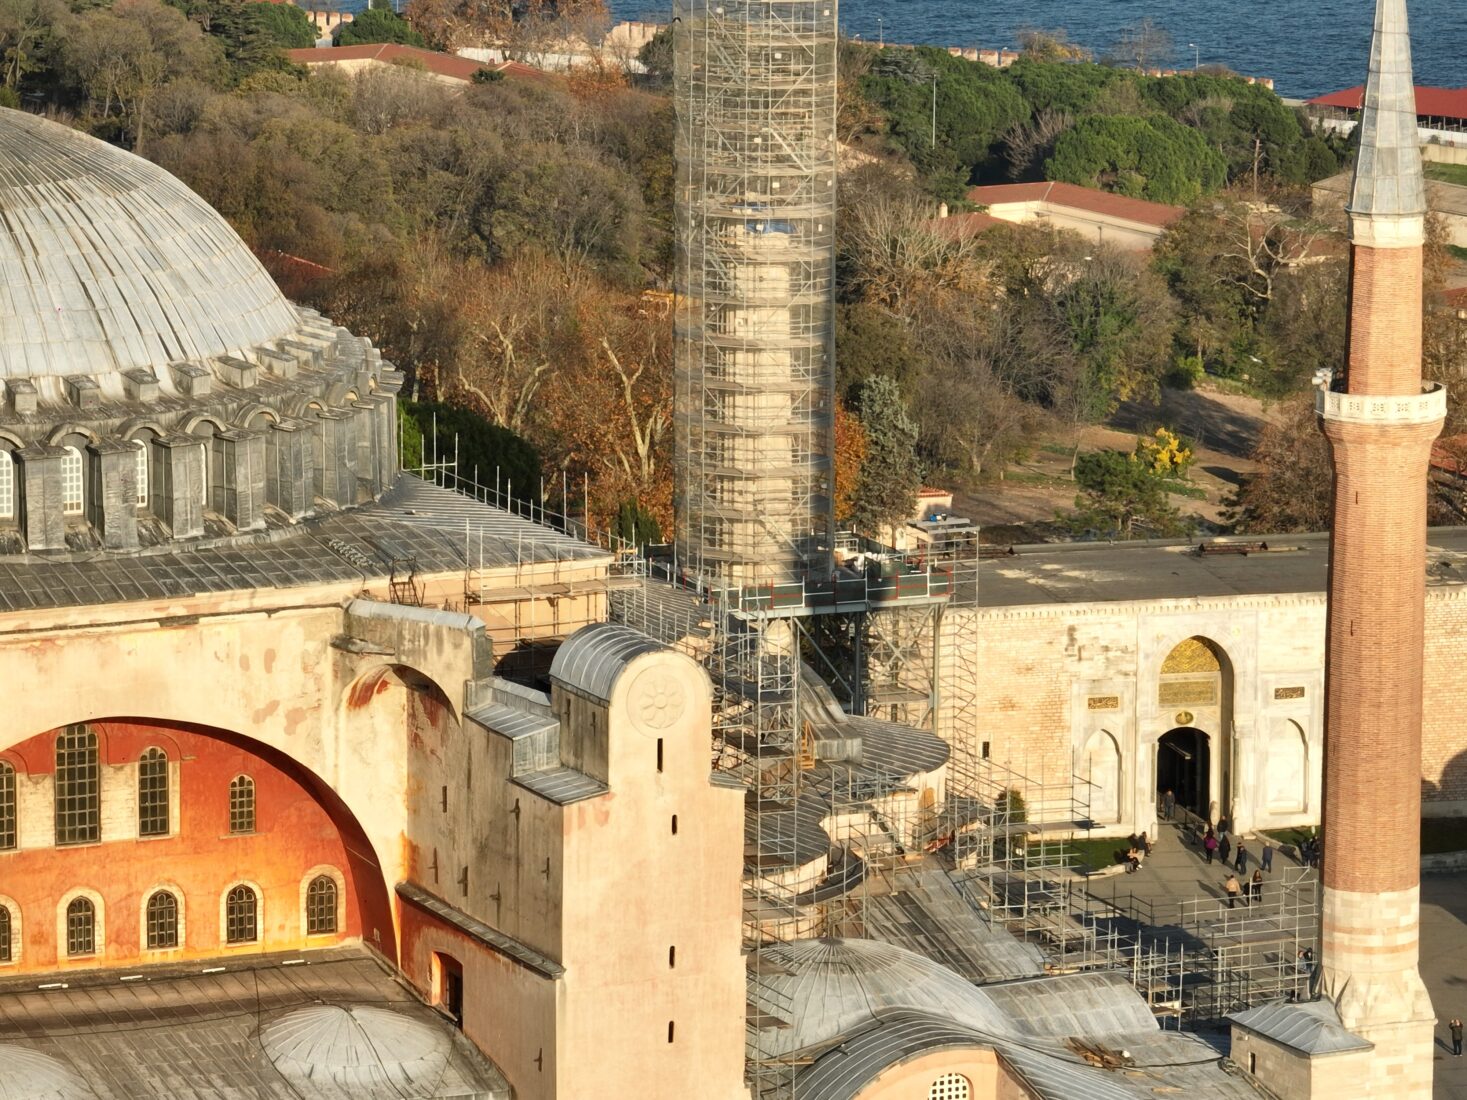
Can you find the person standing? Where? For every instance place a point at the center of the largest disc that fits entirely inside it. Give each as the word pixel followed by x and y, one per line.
pixel 1233 889
pixel 1456 1026
pixel 1255 888
pixel 1169 803
pixel 1268 857
pixel 1209 845
pixel 1241 863
pixel 1224 845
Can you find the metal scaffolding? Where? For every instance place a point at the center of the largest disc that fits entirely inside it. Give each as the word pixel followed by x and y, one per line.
pixel 756 155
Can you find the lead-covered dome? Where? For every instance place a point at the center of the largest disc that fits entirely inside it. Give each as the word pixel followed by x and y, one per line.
pixel 110 263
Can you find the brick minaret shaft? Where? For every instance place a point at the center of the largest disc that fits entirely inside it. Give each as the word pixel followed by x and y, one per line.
pixel 1380 425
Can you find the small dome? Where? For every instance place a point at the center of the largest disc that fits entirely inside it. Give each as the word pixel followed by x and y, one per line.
pixel 372 1052
pixel 27 1074
pixel 112 264
pixel 827 988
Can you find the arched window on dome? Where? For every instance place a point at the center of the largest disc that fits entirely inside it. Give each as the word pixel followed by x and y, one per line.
pixel 142 471
pixel 950 1086
pixel 7 806
pixel 73 483
pixel 7 486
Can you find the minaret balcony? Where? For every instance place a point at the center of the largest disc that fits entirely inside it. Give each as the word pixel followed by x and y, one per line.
pixel 1363 408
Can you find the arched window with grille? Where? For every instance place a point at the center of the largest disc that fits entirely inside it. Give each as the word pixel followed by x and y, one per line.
pixel 81 927
pixel 162 921
pixel 142 471
pixel 241 915
pixel 5 952
pixel 73 483
pixel 153 793
pixel 7 806
pixel 78 787
pixel 321 906
pixel 950 1086
pixel 7 486
pixel 241 804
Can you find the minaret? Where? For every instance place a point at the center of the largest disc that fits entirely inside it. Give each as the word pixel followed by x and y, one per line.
pixel 1380 420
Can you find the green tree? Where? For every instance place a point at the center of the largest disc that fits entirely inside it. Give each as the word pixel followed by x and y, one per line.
pixel 1149 158
pixel 1118 492
pixel 285 24
pixel 634 525
pixel 483 451
pixel 886 491
pixel 376 25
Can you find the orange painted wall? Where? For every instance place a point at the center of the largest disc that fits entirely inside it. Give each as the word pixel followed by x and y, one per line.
pixel 299 825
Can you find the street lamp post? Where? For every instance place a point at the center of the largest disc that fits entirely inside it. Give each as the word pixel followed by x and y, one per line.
pixel 1196 56
pixel 934 110
pixel 880 33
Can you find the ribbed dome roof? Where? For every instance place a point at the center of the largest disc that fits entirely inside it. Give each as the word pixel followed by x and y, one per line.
pixel 27 1074
pixel 108 263
pixel 368 1051
pixel 829 987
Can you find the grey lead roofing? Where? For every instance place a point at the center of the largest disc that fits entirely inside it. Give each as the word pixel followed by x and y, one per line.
pixel 413 521
pixel 108 263
pixel 1311 1026
pixel 592 658
pixel 1388 177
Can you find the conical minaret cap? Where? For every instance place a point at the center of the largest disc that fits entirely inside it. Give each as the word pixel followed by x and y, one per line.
pixel 1388 179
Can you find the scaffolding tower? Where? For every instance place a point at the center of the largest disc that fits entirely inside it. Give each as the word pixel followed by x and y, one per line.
pixel 756 155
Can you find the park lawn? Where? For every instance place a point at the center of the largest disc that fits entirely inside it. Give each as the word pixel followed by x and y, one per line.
pixel 1447 173
pixel 1096 854
pixel 1438 834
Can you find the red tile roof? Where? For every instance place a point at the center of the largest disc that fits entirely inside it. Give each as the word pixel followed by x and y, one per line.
pixel 1079 198
pixel 1434 102
pixel 442 64
pixel 1456 298
pixel 962 226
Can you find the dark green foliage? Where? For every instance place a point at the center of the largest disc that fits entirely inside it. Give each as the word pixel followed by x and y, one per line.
pixel 376 25
pixel 634 525
pixel 1118 493
pixel 976 104
pixel 485 452
pixel 869 342
pixel 657 56
pixel 1149 158
pixel 286 24
pixel 886 491
pixel 487 76
pixel 1063 86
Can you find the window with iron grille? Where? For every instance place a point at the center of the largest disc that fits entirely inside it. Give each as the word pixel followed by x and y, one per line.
pixel 950 1086
pixel 7 806
pixel 7 486
pixel 241 916
pixel 78 787
pixel 142 470
pixel 162 919
pixel 321 906
pixel 4 935
pixel 241 804
pixel 73 480
pixel 153 794
pixel 81 927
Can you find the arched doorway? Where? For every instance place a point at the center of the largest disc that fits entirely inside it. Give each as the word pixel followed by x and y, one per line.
pixel 1184 767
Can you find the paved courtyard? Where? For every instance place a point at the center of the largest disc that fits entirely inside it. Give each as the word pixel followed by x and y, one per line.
pixel 1176 873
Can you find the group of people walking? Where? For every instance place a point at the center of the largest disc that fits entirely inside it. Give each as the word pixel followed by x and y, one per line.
pixel 1249 892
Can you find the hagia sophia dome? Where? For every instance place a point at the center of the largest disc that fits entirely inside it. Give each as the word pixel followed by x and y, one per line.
pixel 155 385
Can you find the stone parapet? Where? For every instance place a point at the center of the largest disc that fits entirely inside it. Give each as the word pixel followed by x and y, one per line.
pixel 1427 407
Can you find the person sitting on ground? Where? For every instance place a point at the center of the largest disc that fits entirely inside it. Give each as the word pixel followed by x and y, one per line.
pixel 1233 889
pixel 1145 844
pixel 1133 859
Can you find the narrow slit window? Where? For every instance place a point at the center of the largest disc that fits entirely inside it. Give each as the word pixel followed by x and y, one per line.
pixel 674 824
pixel 142 471
pixel 7 486
pixel 659 754
pixel 73 483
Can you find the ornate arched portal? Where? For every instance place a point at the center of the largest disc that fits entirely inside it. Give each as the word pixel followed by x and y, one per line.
pixel 1194 698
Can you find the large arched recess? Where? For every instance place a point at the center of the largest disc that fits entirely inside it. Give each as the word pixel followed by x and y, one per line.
pixel 121 738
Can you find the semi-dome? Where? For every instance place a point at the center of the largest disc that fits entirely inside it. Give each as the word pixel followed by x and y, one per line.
pixel 828 988
pixel 111 263
pixel 27 1074
pixel 365 1051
